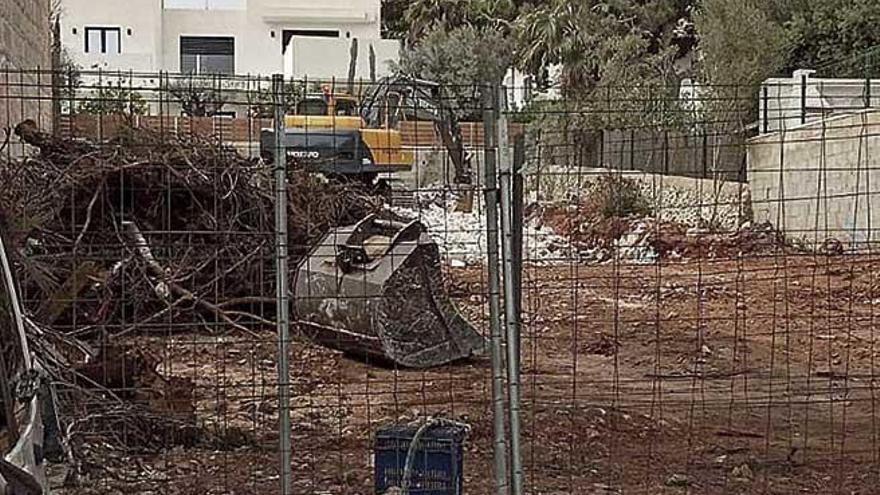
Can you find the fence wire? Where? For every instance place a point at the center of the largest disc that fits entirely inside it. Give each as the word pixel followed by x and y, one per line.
pixel 696 301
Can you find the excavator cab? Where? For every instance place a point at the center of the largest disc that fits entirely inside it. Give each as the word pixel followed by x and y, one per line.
pixel 344 107
pixel 328 104
pixel 312 106
pixel 327 135
pixel 326 110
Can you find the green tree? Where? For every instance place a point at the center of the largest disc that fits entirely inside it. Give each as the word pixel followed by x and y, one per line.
pixel 462 60
pixel 592 41
pixel 837 37
pixel 393 21
pixel 415 19
pixel 428 16
pixel 616 62
pixel 114 98
pixel 740 45
pixel 197 97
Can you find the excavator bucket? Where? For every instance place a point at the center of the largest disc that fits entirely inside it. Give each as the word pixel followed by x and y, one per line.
pixel 375 289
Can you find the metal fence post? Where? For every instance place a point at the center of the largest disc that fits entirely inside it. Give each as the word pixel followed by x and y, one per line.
pixel 867 81
pixel 803 99
pixel 519 160
pixel 490 192
pixel 282 297
pixel 511 292
pixel 765 111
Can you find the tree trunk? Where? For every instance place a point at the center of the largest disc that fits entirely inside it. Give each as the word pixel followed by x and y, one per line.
pixel 352 65
pixel 372 64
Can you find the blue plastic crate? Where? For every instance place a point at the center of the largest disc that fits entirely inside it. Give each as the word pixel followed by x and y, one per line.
pixel 437 469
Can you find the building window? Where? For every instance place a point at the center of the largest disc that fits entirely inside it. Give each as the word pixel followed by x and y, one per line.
pixel 287 34
pixel 103 40
pixel 207 55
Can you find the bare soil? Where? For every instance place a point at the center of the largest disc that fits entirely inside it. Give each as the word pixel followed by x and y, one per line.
pixel 751 376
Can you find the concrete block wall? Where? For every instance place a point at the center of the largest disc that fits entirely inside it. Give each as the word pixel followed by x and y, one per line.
pixel 820 181
pixel 25 45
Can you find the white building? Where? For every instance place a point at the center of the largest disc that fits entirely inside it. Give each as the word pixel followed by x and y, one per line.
pixel 790 103
pixel 213 36
pixel 330 58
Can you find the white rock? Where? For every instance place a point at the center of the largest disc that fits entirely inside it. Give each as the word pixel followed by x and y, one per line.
pixel 461 236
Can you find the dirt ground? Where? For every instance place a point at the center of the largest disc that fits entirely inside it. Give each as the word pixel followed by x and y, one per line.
pixel 753 376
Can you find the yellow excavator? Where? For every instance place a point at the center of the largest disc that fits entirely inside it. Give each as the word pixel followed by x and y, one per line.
pixel 354 148
pixel 341 136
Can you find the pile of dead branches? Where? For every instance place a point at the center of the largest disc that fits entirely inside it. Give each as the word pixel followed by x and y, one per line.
pixel 113 406
pixel 150 231
pixel 147 234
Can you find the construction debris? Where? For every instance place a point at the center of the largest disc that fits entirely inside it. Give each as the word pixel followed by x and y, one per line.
pixel 147 235
pixel 616 219
pixel 461 236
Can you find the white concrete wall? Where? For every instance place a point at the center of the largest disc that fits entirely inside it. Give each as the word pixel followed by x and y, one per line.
pixel 353 18
pixel 324 58
pixel 820 181
pixel 177 23
pixel 787 103
pixel 141 50
pixel 257 26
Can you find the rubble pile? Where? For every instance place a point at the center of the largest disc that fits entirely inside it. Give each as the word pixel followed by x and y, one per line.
pixel 632 221
pixel 461 236
pixel 611 218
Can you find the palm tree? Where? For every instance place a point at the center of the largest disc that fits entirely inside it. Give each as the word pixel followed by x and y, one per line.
pixel 423 16
pixel 564 34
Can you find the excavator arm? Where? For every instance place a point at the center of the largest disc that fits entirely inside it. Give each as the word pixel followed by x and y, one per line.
pixel 398 98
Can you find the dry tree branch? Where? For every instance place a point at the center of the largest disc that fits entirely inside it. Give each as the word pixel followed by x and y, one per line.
pixel 88 221
pixel 143 249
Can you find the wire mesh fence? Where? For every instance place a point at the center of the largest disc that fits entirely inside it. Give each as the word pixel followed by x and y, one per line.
pixel 707 324
pixel 636 290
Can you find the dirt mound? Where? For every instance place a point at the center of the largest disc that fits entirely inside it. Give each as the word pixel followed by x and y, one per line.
pixel 672 240
pixel 642 238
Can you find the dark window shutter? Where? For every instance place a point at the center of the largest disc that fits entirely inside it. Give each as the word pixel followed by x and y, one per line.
pixel 207 45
